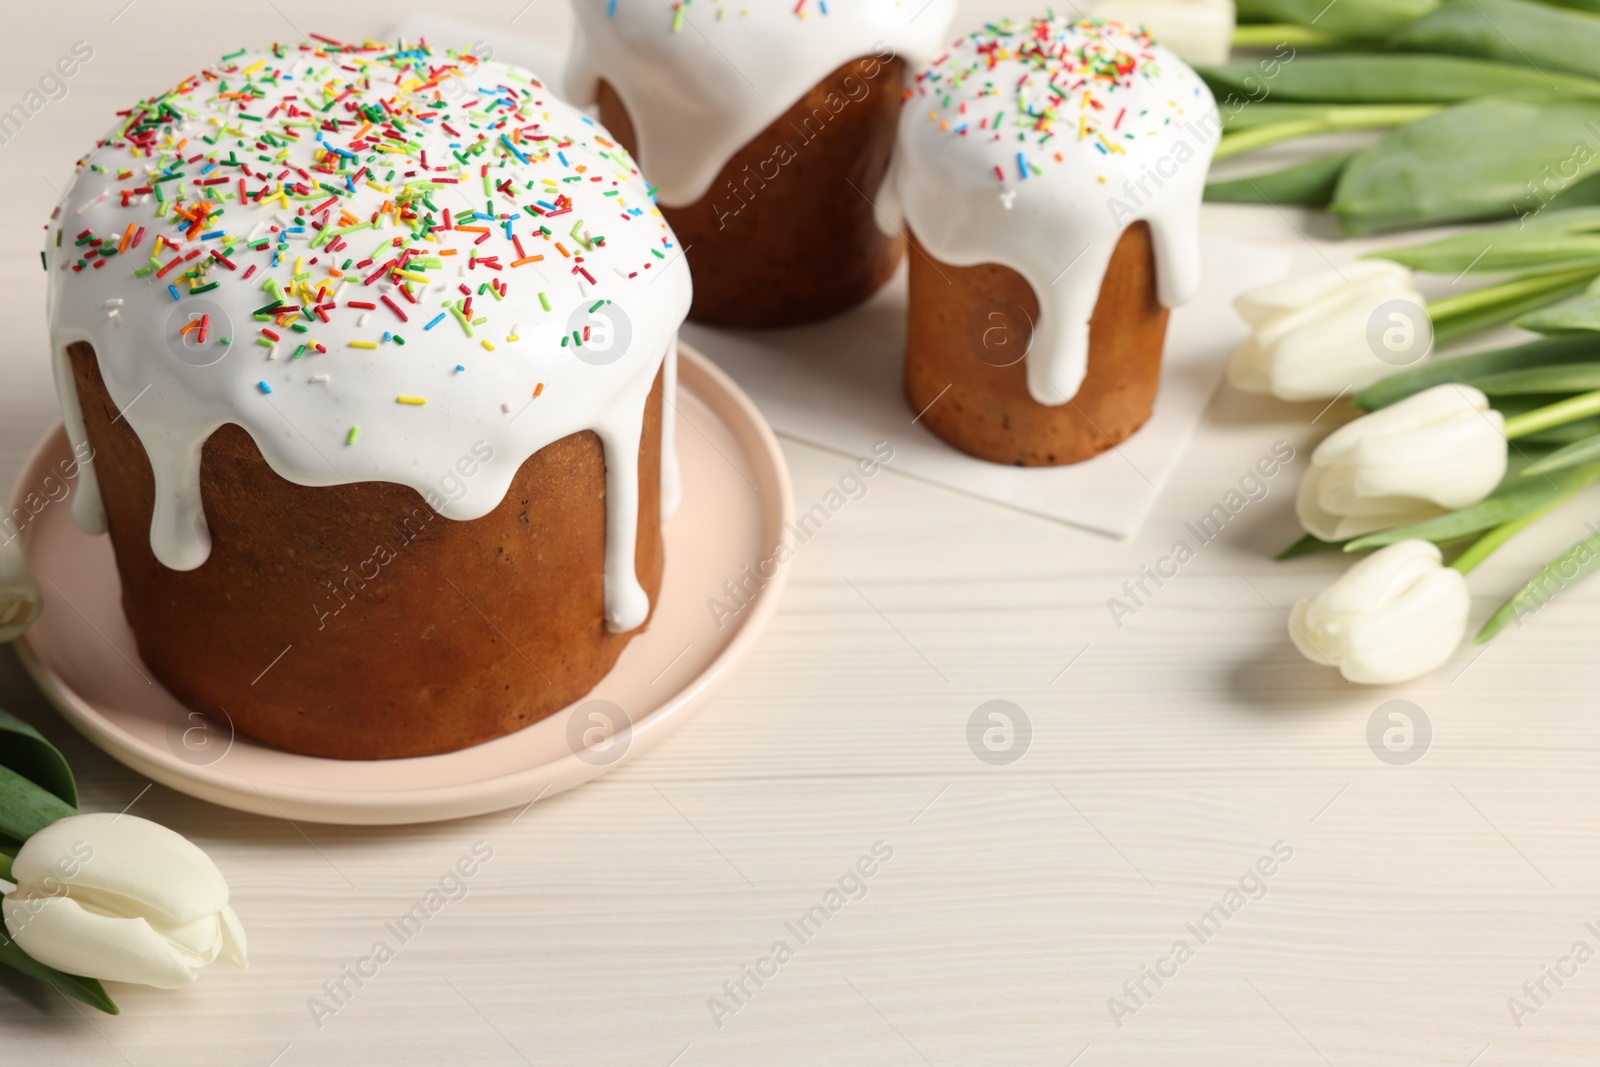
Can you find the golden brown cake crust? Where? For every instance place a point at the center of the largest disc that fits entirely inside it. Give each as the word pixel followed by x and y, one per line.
pixel 407 633
pixel 786 234
pixel 966 335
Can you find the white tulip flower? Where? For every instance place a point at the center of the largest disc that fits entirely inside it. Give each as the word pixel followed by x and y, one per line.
pixel 1394 616
pixel 1433 452
pixel 1200 31
pixel 20 602
pixel 123 899
pixel 1321 334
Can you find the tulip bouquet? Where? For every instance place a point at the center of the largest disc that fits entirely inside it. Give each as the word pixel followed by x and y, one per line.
pixel 1494 107
pixel 99 896
pixel 1453 455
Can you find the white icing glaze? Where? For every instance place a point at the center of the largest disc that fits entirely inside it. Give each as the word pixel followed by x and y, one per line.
pixel 1111 129
pixel 298 405
pixel 700 80
pixel 671 473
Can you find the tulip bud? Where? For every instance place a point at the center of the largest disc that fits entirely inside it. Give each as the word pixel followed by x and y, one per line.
pixel 121 898
pixel 20 602
pixel 1319 335
pixel 1199 31
pixel 1433 452
pixel 1394 616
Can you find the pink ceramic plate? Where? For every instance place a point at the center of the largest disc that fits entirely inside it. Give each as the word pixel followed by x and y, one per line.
pixel 736 501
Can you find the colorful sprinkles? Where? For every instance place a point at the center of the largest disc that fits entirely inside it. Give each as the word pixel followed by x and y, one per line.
pixel 801 10
pixel 361 185
pixel 1071 73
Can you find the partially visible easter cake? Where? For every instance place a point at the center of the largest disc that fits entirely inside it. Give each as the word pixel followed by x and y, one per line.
pixel 767 128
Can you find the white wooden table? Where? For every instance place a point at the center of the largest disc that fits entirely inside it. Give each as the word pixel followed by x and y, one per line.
pixel 1167 757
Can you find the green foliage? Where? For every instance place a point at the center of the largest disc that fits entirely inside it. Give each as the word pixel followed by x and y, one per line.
pixel 1311 183
pixel 1474 161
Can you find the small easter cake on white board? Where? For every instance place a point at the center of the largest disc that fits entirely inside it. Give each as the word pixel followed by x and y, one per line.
pixel 1049 176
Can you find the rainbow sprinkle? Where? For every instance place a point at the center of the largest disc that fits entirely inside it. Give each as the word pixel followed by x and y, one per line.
pixel 341 181
pixel 1072 71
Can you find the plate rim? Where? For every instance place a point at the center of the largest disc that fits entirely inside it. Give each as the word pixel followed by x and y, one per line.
pixel 440 803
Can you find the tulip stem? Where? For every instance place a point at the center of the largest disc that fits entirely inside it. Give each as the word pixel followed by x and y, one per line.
pixel 1491 304
pixel 1560 413
pixel 1331 120
pixel 6 856
pixel 1485 546
pixel 1270 34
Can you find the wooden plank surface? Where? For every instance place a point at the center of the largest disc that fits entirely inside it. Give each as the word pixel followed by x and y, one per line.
pixel 1168 756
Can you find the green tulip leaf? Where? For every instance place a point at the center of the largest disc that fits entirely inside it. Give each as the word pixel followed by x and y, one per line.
pixel 36 789
pixel 88 990
pixel 1566 570
pixel 1573 316
pixel 1491 542
pixel 1310 183
pixel 1477 160
pixel 1522 403
pixel 1496 305
pixel 1306 546
pixel 1585 193
pixel 1381 78
pixel 24 750
pixel 1264 114
pixel 1571 378
pixel 1551 240
pixel 1569 433
pixel 26 808
pixel 1501 506
pixel 1564 433
pixel 1534 35
pixel 1368 20
pixel 1586 450
pixel 1412 380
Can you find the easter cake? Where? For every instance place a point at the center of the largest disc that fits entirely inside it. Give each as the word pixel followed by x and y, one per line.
pixel 1049 176
pixel 766 128
pixel 373 347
